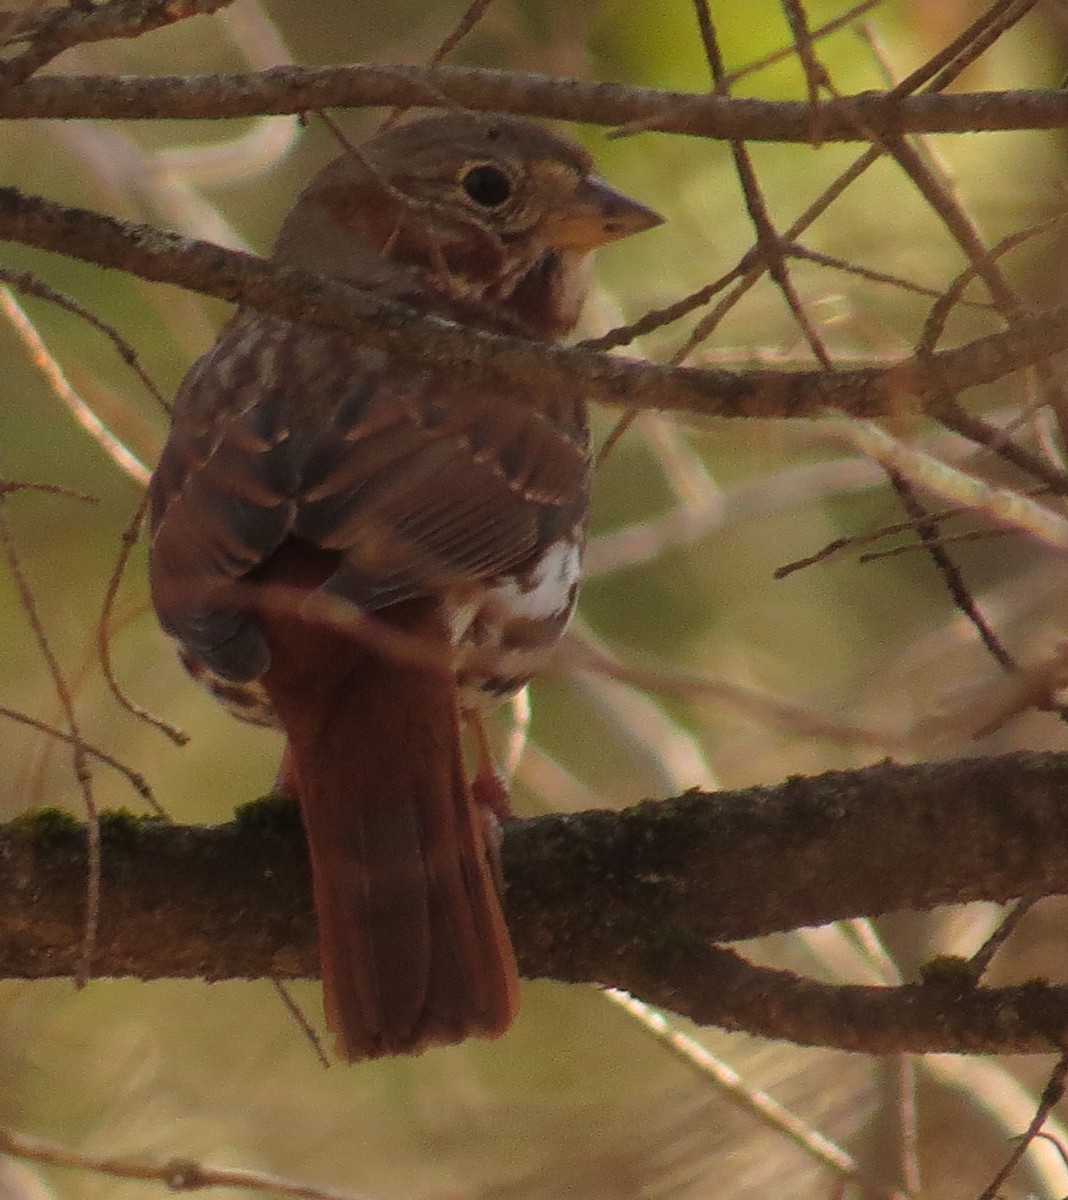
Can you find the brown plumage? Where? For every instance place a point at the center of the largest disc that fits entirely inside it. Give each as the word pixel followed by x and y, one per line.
pixel 447 513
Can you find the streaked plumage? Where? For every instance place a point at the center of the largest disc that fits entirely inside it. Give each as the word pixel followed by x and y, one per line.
pixel 452 509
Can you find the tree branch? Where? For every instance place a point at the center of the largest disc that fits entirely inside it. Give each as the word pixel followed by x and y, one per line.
pixel 284 90
pixel 634 899
pixel 167 257
pixel 51 32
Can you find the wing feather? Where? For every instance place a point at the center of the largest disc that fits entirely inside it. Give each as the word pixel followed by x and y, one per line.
pixel 285 432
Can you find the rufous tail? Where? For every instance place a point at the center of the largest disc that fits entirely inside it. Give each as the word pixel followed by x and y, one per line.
pixel 413 946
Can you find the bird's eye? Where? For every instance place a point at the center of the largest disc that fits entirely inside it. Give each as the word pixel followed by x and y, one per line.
pixel 487 186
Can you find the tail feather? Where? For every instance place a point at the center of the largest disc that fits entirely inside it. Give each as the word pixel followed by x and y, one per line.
pixel 413 946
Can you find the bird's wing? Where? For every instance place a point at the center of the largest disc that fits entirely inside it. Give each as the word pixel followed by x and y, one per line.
pixel 416 479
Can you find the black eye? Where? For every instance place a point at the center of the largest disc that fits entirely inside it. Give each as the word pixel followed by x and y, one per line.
pixel 487 186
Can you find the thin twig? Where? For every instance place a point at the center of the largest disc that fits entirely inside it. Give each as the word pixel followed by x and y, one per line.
pixel 58 29
pixel 943 539
pixel 1006 927
pixel 768 255
pixel 871 275
pixel 469 18
pixel 769 244
pixel 78 747
pixel 177 1175
pixel 927 530
pixel 8 487
pixel 303 1024
pixel 103 630
pixel 1051 1094
pixel 950 297
pixel 31 285
pixel 43 360
pixel 579 652
pixel 748 1098
pixel 908 1114
pixel 996 22
pixel 1001 505
pixel 136 780
pixel 814 35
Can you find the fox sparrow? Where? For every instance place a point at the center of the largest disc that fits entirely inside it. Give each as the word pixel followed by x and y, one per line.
pixel 444 513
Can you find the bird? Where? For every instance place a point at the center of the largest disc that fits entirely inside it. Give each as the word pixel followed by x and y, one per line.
pixel 367 551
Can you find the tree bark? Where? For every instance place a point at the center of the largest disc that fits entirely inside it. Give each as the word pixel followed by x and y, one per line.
pixel 294 89
pixel 636 899
pixel 912 385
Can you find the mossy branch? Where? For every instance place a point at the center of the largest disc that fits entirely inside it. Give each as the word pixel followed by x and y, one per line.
pixel 637 899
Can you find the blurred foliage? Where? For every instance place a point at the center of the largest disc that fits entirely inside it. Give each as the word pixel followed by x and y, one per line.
pixel 576 1101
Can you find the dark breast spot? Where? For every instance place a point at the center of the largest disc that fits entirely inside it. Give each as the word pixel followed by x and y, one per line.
pixel 477 435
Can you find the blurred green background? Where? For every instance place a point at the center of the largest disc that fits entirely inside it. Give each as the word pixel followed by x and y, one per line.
pixel 576 1100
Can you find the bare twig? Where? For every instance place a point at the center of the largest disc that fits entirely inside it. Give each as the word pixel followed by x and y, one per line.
pixel 300 1018
pixel 8 487
pixel 942 69
pixel 1007 926
pixel 79 752
pixel 136 780
pixel 815 35
pixel 176 1175
pixel 1002 505
pixel 30 285
pixel 103 631
pixel 769 244
pixel 58 29
pixel 754 1101
pixel 927 529
pixel 1051 1095
pixel 82 413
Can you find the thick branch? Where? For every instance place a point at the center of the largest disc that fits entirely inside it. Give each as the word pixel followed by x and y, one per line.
pixel 302 89
pixel 230 275
pixel 632 899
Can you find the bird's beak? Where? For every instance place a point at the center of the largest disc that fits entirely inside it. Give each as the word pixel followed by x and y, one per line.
pixel 595 214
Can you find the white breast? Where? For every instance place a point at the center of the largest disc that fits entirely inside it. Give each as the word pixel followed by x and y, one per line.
pixel 512 624
pixel 542 592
